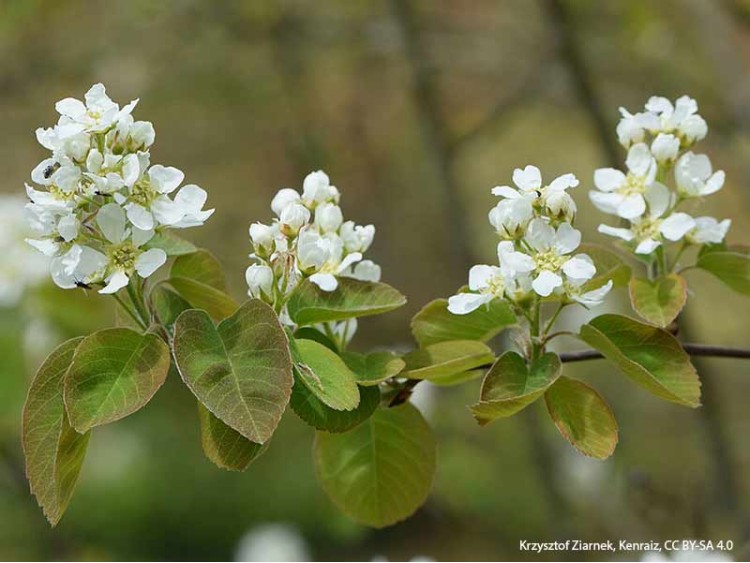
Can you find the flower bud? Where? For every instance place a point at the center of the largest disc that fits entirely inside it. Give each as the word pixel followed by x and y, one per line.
pixel 317 189
pixel 357 238
pixel 262 238
pixel 283 199
pixel 259 281
pixel 328 217
pixel 293 217
pixel 366 270
pixel 665 147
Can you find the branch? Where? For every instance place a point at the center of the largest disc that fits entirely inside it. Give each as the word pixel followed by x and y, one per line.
pixel 698 350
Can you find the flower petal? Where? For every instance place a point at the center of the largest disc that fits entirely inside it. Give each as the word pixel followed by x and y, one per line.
pixel 528 179
pixel 111 220
pixel 632 206
pixel 465 303
pixel 546 282
pixel 676 226
pixel 150 261
pixel 326 282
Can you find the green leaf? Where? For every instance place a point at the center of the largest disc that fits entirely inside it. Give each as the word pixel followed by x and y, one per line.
pixel 310 333
pixel 225 447
pixel 458 378
pixel 732 268
pixel 649 355
pixel 353 298
pixel 446 358
pixel 240 370
pixel 434 323
pixel 54 451
pixel 200 266
pixel 315 413
pixel 512 385
pixel 168 304
pixel 171 244
pixel 114 373
pixel 609 266
pixel 326 375
pixel 373 368
pixel 658 301
pixel 583 417
pixel 201 296
pixel 380 472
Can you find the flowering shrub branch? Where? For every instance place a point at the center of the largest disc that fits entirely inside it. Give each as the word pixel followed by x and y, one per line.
pixel 105 217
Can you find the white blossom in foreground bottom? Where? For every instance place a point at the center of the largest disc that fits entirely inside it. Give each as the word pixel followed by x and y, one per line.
pixel 551 257
pixel 124 256
pixel 590 298
pixel 649 231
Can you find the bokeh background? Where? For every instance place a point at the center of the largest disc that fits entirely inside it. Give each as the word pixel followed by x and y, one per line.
pixel 415 108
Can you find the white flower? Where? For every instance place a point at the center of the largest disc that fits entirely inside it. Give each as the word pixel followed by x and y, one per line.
pixel 262 236
pixel 131 136
pixel 510 216
pixel 328 217
pixel 665 147
pixel 366 270
pixel 317 189
pixel 632 128
pixel 293 217
pixel 553 197
pixel 551 260
pixel 283 198
pixel 486 283
pixel 259 279
pixel 97 114
pixel 648 231
pixel 357 238
pixel 680 118
pixel 323 255
pixel 708 231
pixel 592 298
pixel 125 256
pixel 695 177
pixel 622 194
pixel 20 266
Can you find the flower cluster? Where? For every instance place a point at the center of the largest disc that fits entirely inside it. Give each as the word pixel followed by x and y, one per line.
pixel 659 140
pixel 98 200
pixel 536 254
pixel 308 239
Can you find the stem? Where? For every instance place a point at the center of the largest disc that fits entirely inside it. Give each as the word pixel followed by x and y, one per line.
pixel 552 320
pixel 697 350
pixel 677 256
pixel 131 313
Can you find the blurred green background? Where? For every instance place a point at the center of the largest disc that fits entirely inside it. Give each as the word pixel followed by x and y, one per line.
pixel 415 108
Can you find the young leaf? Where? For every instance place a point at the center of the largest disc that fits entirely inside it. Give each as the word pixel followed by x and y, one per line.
pixel 353 298
pixel 512 385
pixel 171 244
pixel 609 266
pixel 199 279
pixel 434 323
pixel 54 451
pixel 114 373
pixel 201 266
pixel 380 472
pixel 582 417
pixel 446 358
pixel 650 356
pixel 239 370
pixel 458 378
pixel 201 296
pixel 658 301
pixel 373 368
pixel 315 413
pixel 326 375
pixel 731 267
pixel 168 304
pixel 225 447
